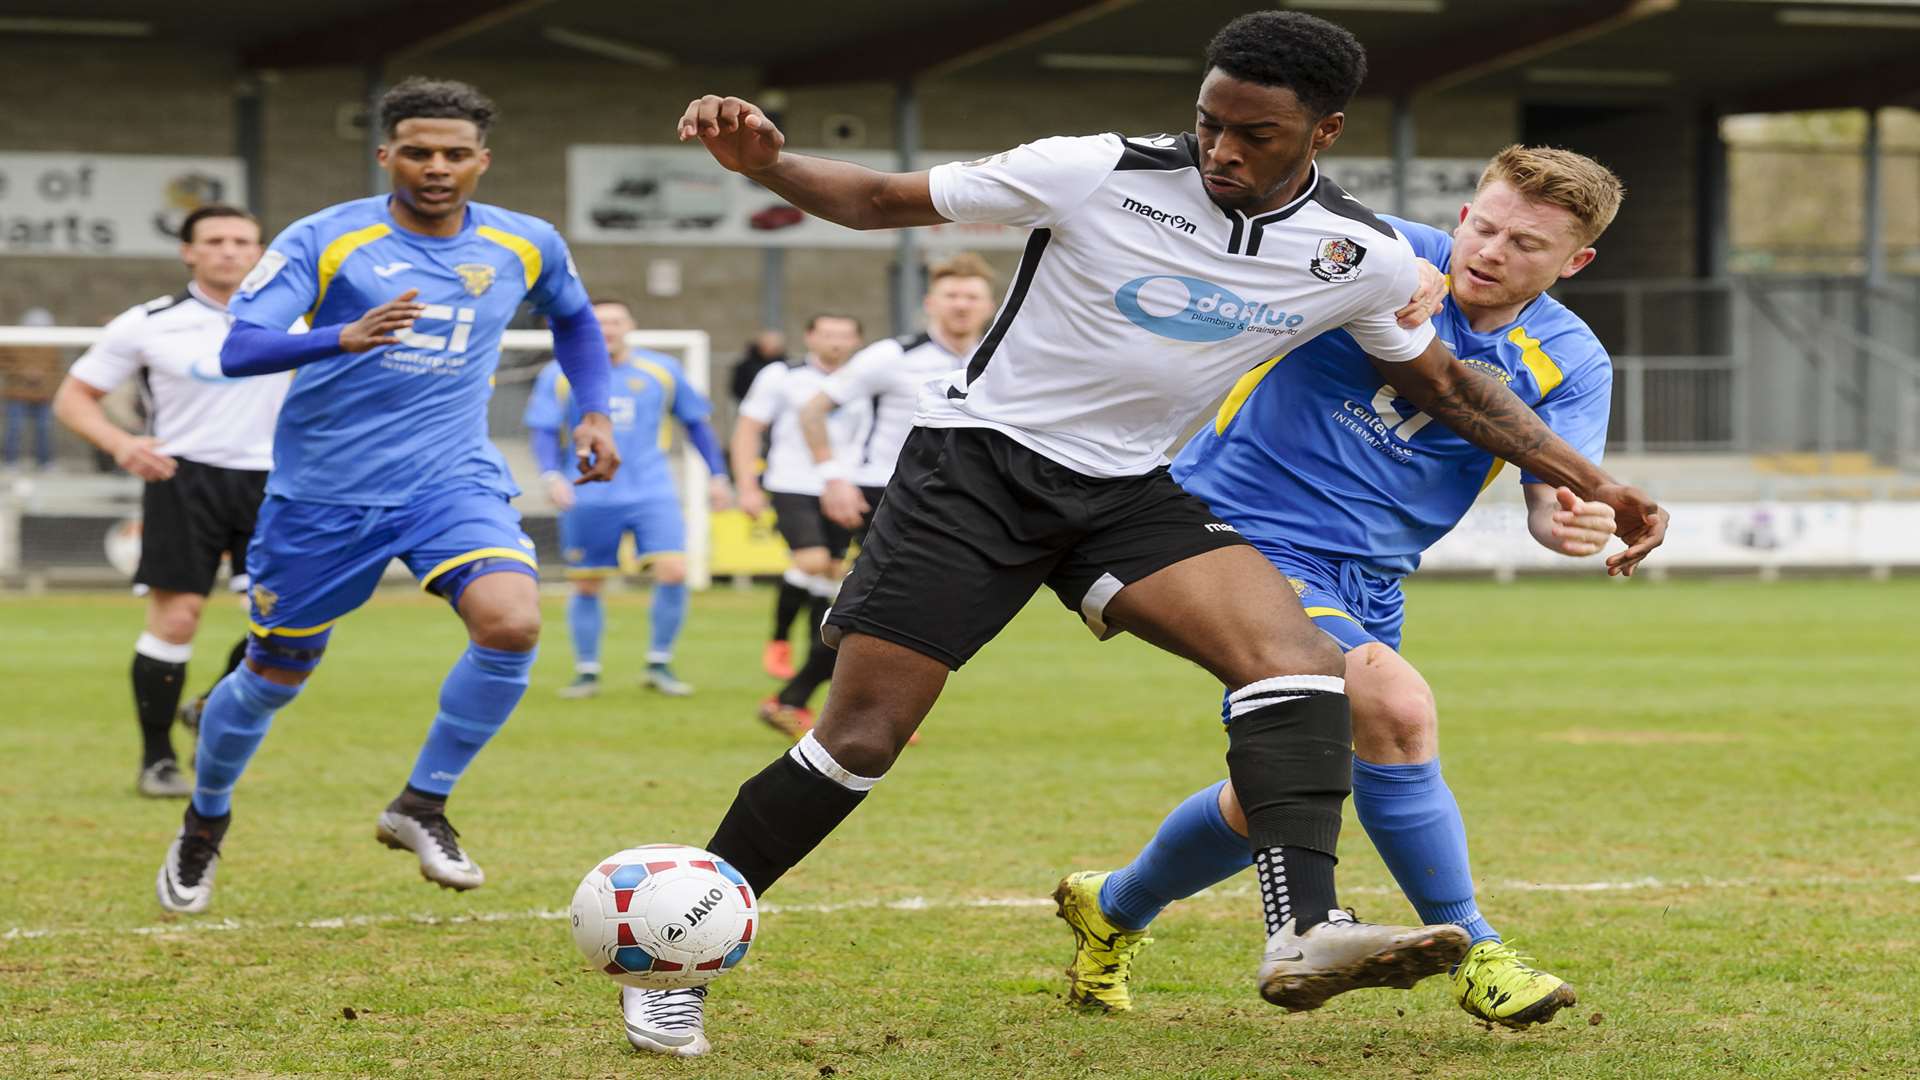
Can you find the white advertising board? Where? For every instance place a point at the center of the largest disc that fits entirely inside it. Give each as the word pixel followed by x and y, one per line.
pixel 107 205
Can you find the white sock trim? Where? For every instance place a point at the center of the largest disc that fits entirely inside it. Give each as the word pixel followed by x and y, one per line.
pixel 164 651
pixel 654 657
pixel 797 578
pixel 823 587
pixel 810 753
pixel 587 667
pixel 1259 695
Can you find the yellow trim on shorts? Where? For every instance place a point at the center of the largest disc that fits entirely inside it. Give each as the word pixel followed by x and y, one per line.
pixel 1317 612
pixel 475 555
pixel 290 631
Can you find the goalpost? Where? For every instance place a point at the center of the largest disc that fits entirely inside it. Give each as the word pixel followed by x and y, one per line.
pixel 111 498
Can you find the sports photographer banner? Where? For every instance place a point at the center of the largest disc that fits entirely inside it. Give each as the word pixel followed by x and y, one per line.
pixel 677 195
pixel 107 205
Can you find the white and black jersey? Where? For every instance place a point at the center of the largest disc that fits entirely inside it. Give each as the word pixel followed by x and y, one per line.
pixel 776 397
pixel 1139 301
pixel 172 345
pixel 888 375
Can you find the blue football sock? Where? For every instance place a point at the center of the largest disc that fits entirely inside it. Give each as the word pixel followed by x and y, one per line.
pixel 1194 848
pixel 669 612
pixel 585 620
pixel 236 719
pixel 480 692
pixel 1410 816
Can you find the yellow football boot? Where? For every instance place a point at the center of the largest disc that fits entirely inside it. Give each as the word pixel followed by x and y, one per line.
pixel 1495 984
pixel 1102 952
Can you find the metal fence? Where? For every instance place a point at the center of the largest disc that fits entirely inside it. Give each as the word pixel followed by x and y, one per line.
pixel 1761 364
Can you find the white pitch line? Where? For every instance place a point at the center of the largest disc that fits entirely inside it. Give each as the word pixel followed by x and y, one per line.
pixel 910 903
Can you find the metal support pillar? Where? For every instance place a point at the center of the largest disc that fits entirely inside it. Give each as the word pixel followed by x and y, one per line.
pixel 376 88
pixel 773 289
pixel 1403 151
pixel 249 138
pixel 907 271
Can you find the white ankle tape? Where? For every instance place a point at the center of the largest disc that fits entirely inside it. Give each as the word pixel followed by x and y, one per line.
pixel 823 587
pixel 797 578
pixel 1259 695
pixel 811 754
pixel 166 652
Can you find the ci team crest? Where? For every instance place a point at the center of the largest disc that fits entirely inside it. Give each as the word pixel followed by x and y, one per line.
pixel 477 277
pixel 264 599
pixel 1337 259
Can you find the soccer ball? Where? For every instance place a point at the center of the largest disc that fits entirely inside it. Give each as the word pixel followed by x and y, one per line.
pixel 663 916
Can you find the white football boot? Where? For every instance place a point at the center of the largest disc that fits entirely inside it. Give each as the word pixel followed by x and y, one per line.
pixel 1301 971
pixel 185 881
pixel 666 1021
pixel 429 835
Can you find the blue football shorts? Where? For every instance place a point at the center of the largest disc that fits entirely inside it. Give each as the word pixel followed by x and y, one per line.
pixel 590 533
pixel 1353 604
pixel 312 563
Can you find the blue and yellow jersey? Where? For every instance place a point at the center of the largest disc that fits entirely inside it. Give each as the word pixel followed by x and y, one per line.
pixel 646 392
pixel 1313 449
pixel 368 429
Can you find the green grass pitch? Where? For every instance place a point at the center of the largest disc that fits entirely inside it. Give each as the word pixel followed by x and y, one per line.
pixel 1697 800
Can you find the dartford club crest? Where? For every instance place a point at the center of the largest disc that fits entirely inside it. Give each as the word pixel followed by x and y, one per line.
pixel 1337 259
pixel 478 277
pixel 264 599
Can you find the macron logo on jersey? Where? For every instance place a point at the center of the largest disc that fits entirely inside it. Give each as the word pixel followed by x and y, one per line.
pixel 1195 309
pixel 1174 221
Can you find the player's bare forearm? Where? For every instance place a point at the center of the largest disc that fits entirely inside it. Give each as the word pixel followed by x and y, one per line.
pixel 813 425
pixel 849 194
pixel 77 405
pixel 1481 410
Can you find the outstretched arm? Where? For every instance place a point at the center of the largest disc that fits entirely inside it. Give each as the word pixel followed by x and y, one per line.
pixel 742 139
pixel 1484 412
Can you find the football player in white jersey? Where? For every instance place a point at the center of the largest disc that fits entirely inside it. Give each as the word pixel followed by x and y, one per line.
pixel 770 415
pixel 205 462
pixel 886 376
pixel 1157 273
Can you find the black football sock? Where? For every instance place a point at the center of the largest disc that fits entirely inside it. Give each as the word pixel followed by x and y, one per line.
pixel 791 602
pixel 156 697
pixel 234 658
pixel 784 811
pixel 1290 755
pixel 819 666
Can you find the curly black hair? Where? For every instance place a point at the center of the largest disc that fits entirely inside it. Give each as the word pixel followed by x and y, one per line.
pixel 416 97
pixel 1320 62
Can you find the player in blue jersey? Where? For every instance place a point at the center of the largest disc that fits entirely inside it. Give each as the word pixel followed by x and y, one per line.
pixel 647 390
pixel 381 452
pixel 1342 483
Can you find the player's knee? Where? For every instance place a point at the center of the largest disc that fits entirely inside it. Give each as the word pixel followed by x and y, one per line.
pixel 1307 654
pixel 176 618
pixel 511 628
pixel 670 570
pixel 1401 723
pixel 861 731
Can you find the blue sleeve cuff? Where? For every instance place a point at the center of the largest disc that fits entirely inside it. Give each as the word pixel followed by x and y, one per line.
pixel 582 354
pixel 252 349
pixel 701 435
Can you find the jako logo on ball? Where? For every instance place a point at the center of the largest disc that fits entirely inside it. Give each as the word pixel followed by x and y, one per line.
pixel 706 904
pixel 1206 312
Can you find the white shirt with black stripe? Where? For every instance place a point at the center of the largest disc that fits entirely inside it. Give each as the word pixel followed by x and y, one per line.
pixel 889 375
pixel 775 399
pixel 1139 301
pixel 173 345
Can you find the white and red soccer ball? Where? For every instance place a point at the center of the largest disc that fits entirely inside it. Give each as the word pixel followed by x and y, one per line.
pixel 664 916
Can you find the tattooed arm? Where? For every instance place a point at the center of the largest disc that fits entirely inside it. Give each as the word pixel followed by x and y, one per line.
pixel 1485 413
